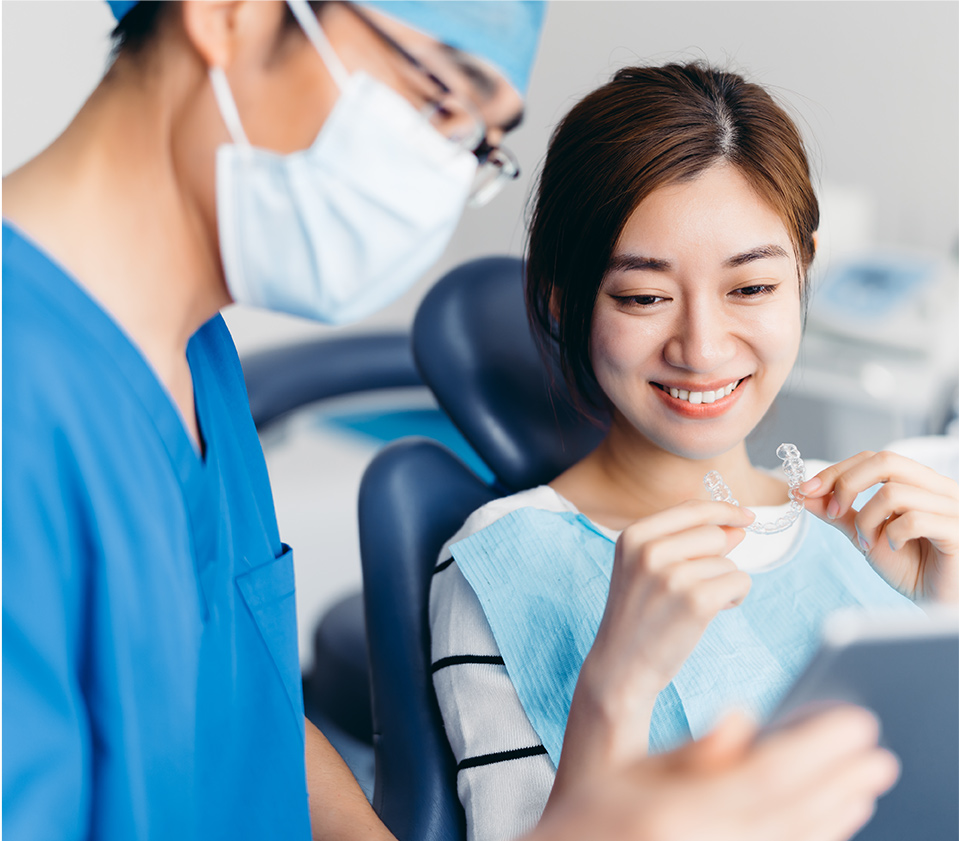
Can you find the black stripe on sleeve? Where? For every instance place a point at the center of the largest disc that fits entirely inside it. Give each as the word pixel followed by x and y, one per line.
pixel 501 756
pixel 440 567
pixel 458 659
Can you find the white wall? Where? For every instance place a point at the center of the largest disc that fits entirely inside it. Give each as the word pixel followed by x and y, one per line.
pixel 874 84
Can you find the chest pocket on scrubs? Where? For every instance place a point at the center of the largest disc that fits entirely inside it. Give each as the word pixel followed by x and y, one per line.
pixel 269 593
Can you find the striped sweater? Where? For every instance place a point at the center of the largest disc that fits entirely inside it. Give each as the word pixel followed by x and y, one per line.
pixel 504 775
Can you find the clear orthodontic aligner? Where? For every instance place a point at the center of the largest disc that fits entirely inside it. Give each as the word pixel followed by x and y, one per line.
pixel 795 472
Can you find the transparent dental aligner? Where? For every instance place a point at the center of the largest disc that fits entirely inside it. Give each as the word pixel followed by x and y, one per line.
pixel 795 472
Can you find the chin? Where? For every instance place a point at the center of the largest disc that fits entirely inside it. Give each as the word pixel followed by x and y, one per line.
pixel 695 442
pixel 698 450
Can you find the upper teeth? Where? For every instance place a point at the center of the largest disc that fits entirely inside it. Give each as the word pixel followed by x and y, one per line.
pixel 704 396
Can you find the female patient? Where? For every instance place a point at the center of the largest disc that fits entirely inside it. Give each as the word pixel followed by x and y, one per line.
pixel 668 255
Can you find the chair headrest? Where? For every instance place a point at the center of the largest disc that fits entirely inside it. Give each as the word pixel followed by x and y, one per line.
pixel 473 346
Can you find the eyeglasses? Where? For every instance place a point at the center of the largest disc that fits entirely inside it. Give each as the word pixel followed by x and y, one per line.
pixel 453 116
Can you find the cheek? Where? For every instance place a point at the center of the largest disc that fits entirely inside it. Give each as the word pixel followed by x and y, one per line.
pixel 284 102
pixel 619 345
pixel 775 330
pixel 775 336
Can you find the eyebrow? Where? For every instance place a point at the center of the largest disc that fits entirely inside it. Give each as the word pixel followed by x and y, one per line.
pixel 639 263
pixel 757 253
pixel 483 81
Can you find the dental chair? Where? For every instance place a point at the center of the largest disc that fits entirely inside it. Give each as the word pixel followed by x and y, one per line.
pixel 473 347
pixel 284 380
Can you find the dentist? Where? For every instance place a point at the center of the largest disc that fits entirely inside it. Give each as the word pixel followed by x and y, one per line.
pixel 309 158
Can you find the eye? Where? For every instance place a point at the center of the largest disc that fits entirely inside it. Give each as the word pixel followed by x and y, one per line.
pixel 756 290
pixel 638 300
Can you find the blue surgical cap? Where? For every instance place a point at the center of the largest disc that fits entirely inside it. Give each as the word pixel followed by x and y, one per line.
pixel 505 33
pixel 120 7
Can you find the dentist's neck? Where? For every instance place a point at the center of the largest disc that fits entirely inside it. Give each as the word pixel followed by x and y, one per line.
pixel 110 201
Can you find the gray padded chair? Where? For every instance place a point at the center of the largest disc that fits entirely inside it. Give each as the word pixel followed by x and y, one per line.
pixel 414 495
pixel 474 349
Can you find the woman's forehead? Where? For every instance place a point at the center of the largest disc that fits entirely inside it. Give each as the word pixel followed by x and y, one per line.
pixel 719 208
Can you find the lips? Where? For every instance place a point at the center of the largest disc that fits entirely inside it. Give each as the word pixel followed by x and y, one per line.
pixel 696 398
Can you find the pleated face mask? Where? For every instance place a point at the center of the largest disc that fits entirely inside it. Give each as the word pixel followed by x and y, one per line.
pixel 542 579
pixel 341 229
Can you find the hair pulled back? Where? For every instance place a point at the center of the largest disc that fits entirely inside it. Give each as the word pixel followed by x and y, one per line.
pixel 647 128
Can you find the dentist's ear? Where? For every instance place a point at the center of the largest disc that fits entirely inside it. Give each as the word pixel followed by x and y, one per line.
pixel 220 30
pixel 211 27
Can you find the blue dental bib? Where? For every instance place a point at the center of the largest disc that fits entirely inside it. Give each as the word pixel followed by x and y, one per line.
pixel 542 579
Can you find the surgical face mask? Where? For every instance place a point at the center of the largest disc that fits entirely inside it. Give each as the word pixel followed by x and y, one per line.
pixel 343 228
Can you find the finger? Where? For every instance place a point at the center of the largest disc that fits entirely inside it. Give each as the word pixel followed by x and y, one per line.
pixel 708 597
pixel 725 745
pixel 893 500
pixel 822 483
pixel 698 542
pixel 682 575
pixel 884 467
pixel 846 523
pixel 842 798
pixel 804 747
pixel 686 515
pixel 940 530
pixel 790 765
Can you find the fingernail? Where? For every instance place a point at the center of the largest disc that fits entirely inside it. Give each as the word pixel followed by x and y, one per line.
pixel 811 485
pixel 832 510
pixel 892 545
pixel 863 543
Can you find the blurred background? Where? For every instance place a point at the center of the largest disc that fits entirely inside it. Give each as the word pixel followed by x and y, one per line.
pixel 874 87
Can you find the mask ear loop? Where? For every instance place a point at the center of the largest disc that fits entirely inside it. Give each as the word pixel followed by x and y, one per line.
pixel 312 29
pixel 227 106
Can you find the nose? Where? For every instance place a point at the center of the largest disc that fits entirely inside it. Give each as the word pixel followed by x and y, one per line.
pixel 701 339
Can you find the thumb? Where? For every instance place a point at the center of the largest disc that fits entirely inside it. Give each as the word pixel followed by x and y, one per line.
pixel 846 523
pixel 727 743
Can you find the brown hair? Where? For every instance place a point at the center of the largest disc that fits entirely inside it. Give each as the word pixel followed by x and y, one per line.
pixel 646 128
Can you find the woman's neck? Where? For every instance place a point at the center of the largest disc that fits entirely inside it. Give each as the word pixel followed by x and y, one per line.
pixel 627 477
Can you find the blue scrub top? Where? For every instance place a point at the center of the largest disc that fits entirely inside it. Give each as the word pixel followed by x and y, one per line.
pixel 151 684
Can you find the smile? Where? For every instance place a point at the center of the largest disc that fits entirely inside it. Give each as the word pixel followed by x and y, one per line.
pixel 698 397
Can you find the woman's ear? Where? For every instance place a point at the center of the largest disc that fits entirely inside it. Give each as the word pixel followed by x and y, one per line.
pixel 554 304
pixel 815 241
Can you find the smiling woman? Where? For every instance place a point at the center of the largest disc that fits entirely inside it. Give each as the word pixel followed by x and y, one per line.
pixel 670 242
pixel 671 125
pixel 702 298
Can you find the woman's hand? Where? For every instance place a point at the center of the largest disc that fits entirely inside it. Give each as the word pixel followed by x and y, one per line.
pixel 908 531
pixel 669 579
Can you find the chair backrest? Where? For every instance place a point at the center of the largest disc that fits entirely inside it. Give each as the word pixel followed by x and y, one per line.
pixel 414 495
pixel 283 379
pixel 474 349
